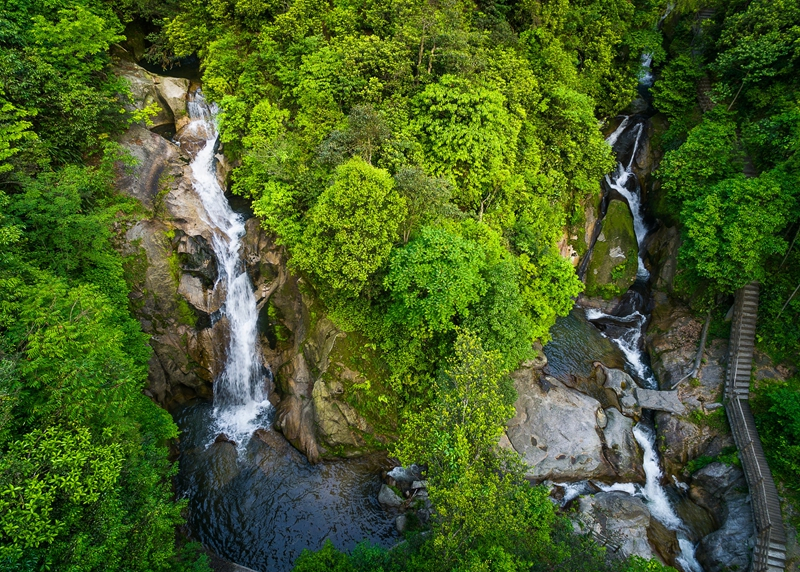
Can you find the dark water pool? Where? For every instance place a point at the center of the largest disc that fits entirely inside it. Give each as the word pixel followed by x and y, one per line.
pixel 260 506
pixel 576 344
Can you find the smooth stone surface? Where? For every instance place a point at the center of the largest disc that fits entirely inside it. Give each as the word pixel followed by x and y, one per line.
pixel 622 518
pixel 660 400
pixel 388 498
pixel 623 452
pixel 555 430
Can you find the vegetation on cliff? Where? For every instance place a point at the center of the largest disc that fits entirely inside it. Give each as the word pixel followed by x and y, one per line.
pixel 84 473
pixel 731 176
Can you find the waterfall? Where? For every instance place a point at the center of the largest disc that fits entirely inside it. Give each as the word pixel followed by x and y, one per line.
pixel 625 328
pixel 619 181
pixel 629 341
pixel 240 400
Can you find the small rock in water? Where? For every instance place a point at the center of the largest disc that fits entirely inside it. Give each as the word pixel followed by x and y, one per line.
pixel 401 522
pixel 223 438
pixel 388 498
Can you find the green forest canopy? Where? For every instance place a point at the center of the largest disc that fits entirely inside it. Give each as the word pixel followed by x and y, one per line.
pixel 419 161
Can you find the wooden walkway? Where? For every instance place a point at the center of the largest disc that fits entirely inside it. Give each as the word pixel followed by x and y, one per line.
pixel 769 554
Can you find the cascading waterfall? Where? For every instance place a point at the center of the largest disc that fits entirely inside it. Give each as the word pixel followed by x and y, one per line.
pixel 624 177
pixel 627 334
pixel 240 400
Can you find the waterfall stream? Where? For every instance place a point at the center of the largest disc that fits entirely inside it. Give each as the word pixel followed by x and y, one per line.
pixel 625 328
pixel 240 397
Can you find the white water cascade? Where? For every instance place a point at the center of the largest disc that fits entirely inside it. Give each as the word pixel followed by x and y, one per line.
pixel 618 180
pixel 629 342
pixel 240 400
pixel 627 336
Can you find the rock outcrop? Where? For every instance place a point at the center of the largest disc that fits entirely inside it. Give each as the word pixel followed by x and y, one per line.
pixel 170 262
pixel 614 259
pixel 620 520
pixel 308 354
pixel 175 295
pixel 168 94
pixel 722 490
pixel 621 448
pixel 555 430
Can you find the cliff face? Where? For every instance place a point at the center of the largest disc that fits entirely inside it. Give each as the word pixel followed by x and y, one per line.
pixel 172 271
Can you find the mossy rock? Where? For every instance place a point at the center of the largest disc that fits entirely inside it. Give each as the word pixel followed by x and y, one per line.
pixel 612 268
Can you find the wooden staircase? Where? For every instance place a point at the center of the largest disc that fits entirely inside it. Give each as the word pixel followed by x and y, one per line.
pixel 769 554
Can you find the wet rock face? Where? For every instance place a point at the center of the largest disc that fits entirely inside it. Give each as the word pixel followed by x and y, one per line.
pixel 662 253
pixel 614 260
pixel 301 348
pixel 621 448
pixel 722 490
pixel 169 257
pixel 672 340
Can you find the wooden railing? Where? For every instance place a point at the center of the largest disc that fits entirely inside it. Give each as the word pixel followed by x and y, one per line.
pixel 769 554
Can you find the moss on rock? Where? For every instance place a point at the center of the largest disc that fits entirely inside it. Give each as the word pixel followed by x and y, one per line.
pixel 612 268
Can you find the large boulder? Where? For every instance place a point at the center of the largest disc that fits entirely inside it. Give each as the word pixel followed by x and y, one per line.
pixel 173 92
pixel 620 388
pixel 145 92
pixel 722 490
pixel 555 430
pixel 622 450
pixel 620 519
pixel 614 259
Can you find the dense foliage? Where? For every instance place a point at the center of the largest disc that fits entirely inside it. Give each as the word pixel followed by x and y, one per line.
pixel 84 474
pixel 731 173
pixel 732 178
pixel 420 160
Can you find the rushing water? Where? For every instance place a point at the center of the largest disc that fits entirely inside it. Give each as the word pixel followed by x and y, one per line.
pixel 626 183
pixel 240 396
pixel 625 328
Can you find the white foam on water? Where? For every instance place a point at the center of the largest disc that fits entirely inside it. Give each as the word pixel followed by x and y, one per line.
pixel 612 139
pixel 629 342
pixel 629 488
pixel 617 181
pixel 240 400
